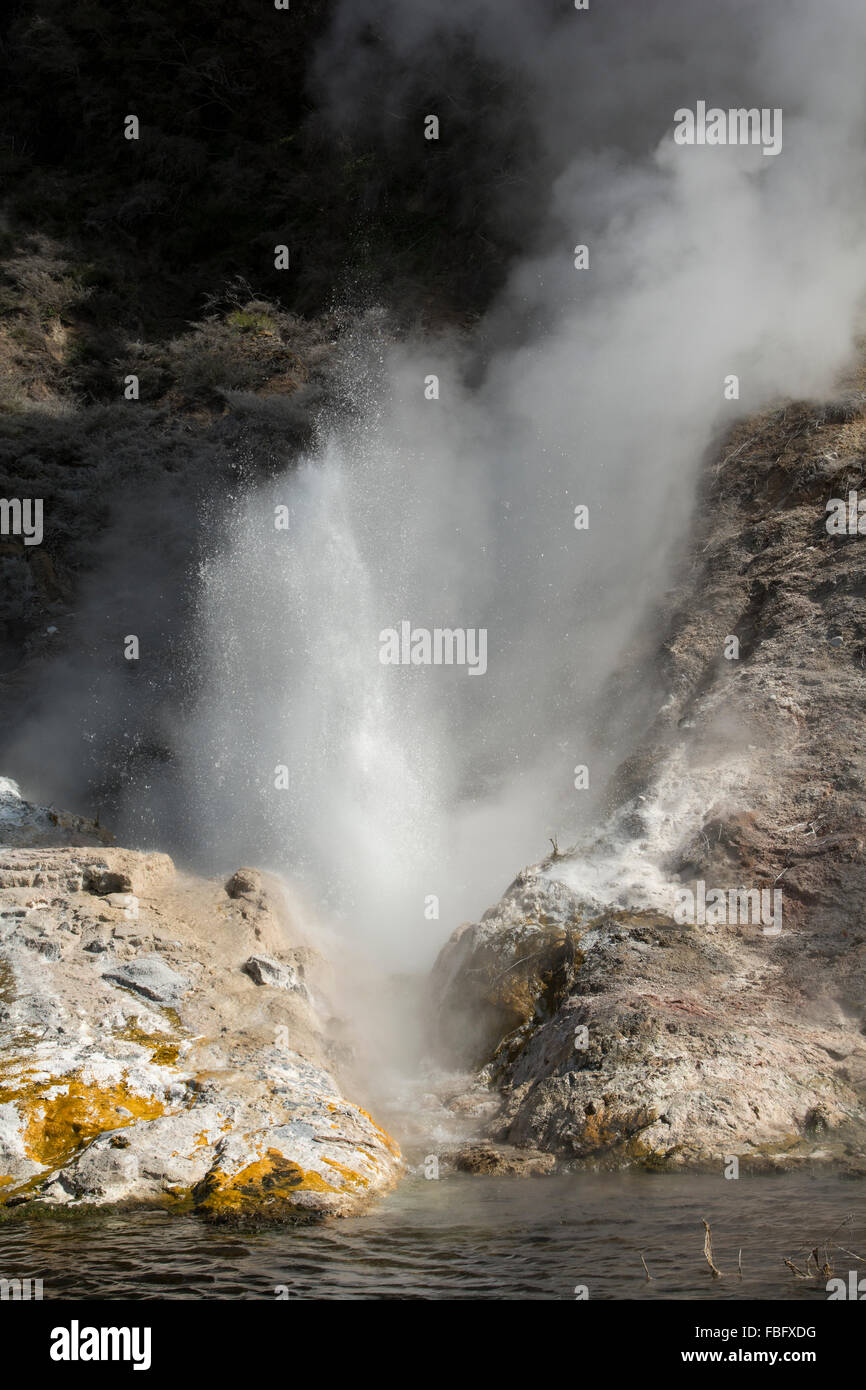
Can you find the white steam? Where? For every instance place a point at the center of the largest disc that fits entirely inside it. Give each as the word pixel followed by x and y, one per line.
pixel 604 387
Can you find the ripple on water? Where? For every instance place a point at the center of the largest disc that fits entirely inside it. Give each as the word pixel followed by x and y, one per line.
pixel 468 1238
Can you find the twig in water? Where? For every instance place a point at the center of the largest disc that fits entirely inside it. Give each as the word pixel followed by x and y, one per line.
pixel 708 1251
pixel 740 1263
pixel 823 1269
pixel 646 1271
pixel 846 1221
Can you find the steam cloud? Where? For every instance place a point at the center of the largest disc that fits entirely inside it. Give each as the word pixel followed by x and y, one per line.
pixel 601 387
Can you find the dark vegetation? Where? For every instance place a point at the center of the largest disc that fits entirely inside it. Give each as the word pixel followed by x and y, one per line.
pixel 238 153
pixel 155 258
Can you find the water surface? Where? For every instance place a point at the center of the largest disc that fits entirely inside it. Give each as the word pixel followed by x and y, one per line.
pixel 465 1237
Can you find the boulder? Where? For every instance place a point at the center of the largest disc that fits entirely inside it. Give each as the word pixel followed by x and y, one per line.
pixel 244 883
pixel 119 871
pixel 164 1078
pixel 150 976
pixel 264 970
pixel 502 1160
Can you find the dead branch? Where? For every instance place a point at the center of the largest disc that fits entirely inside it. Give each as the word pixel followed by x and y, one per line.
pixel 708 1251
pixel 823 1269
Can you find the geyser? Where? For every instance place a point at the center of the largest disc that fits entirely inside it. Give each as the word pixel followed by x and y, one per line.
pixel 591 388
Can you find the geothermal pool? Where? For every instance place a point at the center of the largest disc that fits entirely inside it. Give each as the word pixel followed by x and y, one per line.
pixel 467 1237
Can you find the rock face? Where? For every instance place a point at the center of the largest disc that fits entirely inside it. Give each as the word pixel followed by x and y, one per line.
pixel 23 823
pixel 614 1030
pixel 495 980
pixel 645 1041
pixel 139 1062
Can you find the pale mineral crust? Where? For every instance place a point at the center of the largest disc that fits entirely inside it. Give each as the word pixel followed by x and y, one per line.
pixel 139 1060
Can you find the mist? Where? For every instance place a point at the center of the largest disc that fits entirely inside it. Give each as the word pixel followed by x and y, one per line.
pixel 432 652
pixel 401 799
pixel 599 388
